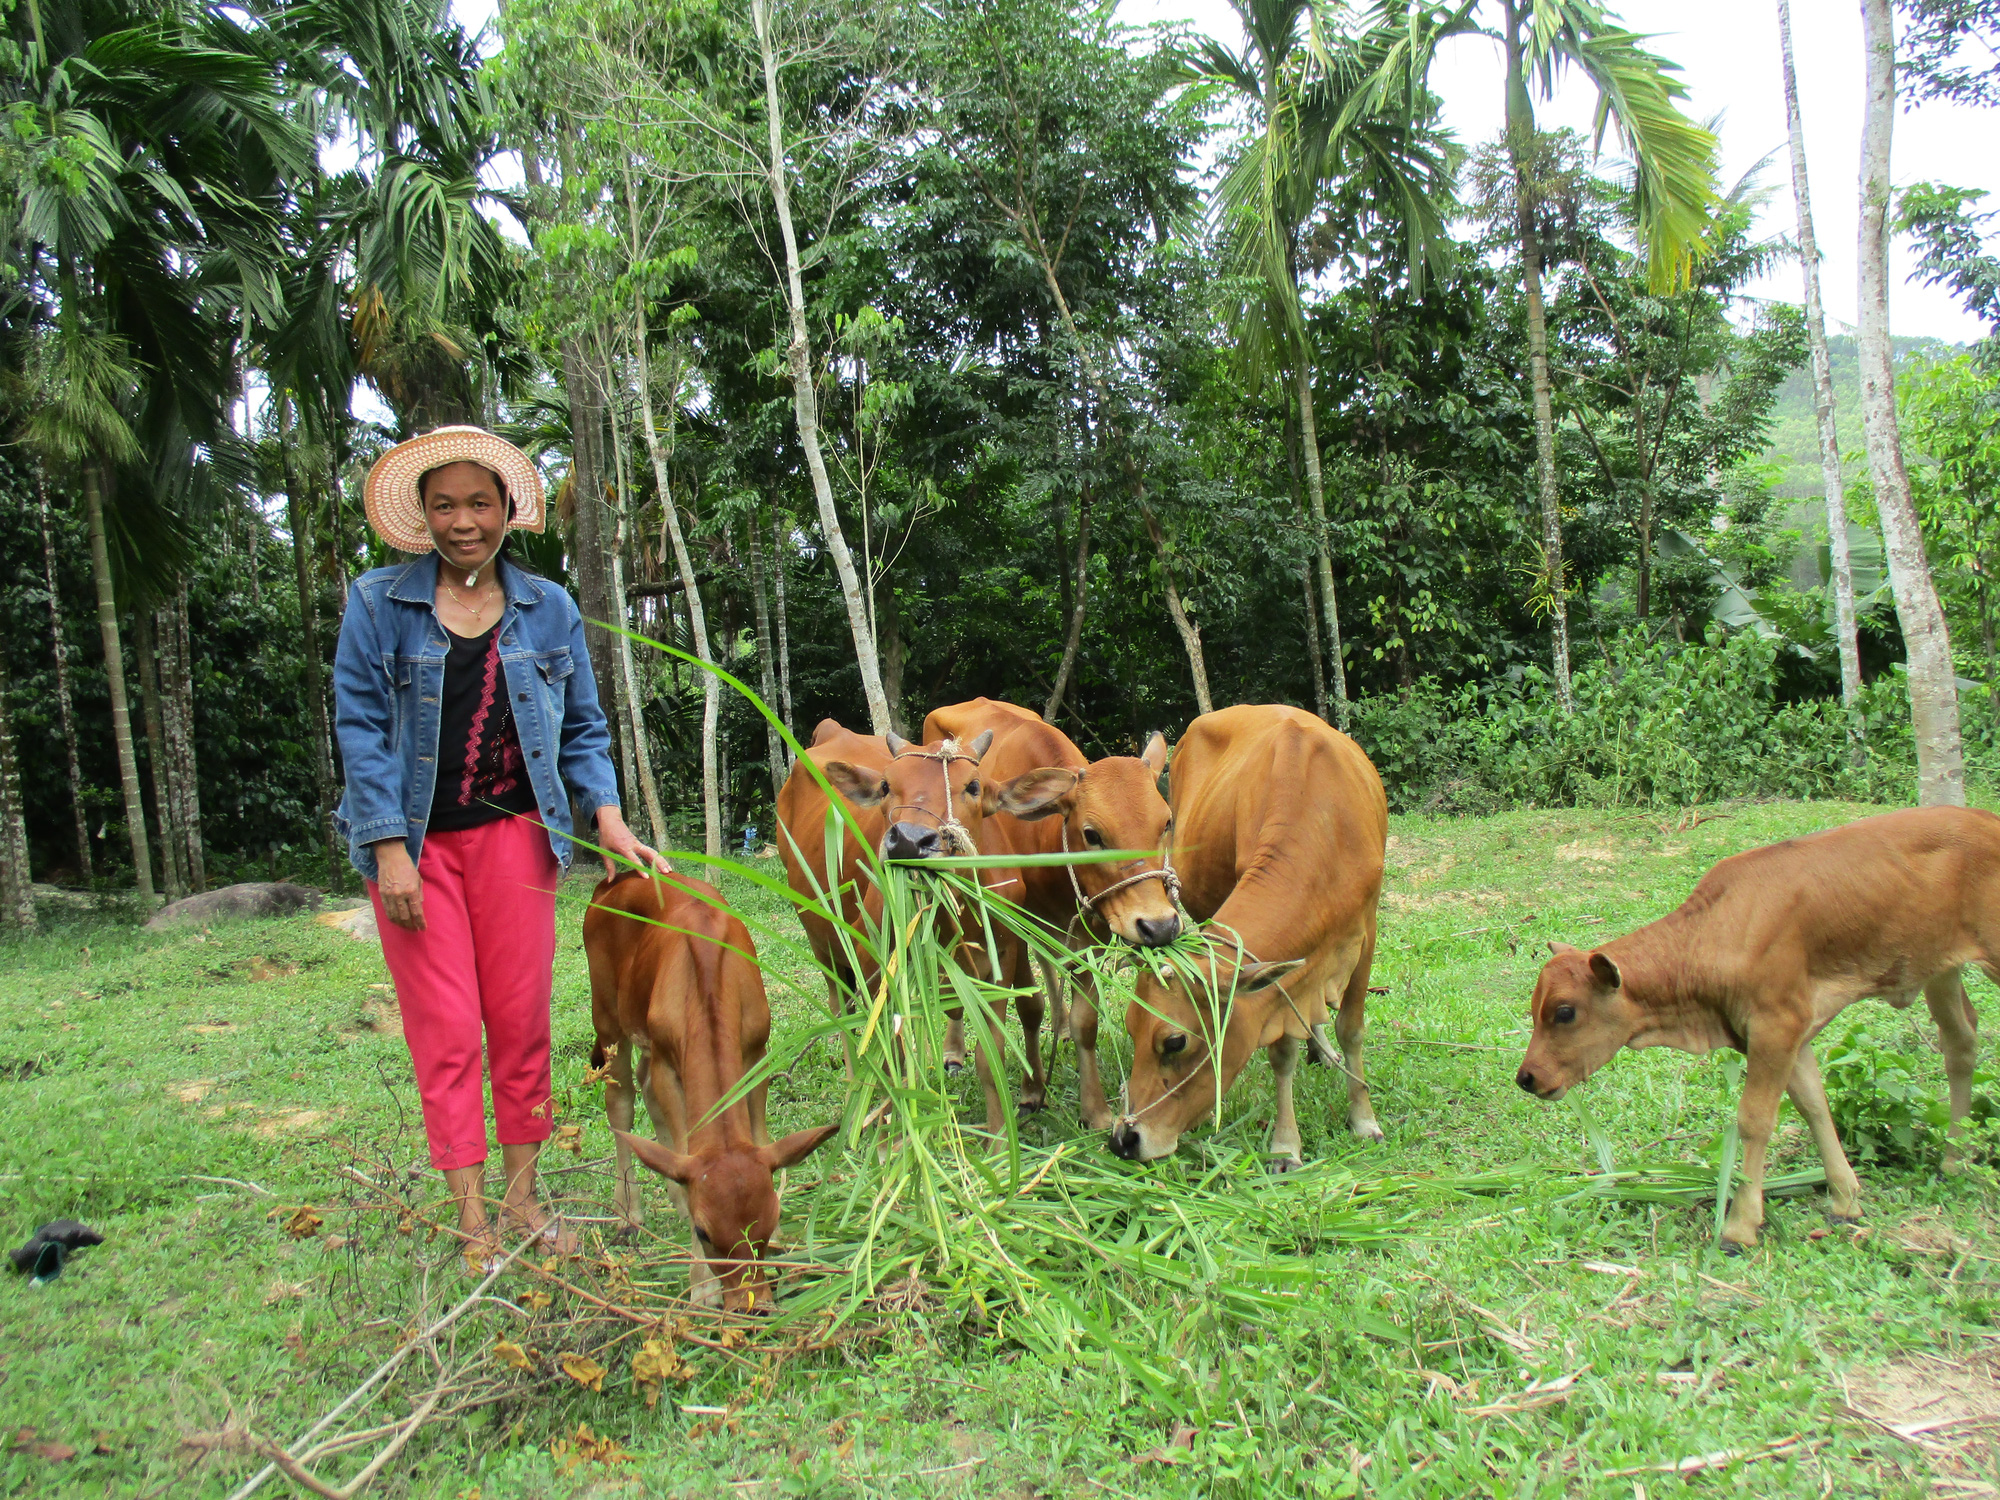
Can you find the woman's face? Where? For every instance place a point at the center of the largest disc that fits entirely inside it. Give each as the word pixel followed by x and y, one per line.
pixel 467 517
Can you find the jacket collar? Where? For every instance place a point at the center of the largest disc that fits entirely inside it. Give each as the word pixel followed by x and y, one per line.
pixel 418 581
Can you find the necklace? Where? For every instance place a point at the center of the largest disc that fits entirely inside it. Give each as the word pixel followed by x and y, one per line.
pixel 478 613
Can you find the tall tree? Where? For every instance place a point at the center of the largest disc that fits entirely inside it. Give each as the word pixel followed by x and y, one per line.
pixel 1932 678
pixel 17 890
pixel 1845 632
pixel 64 698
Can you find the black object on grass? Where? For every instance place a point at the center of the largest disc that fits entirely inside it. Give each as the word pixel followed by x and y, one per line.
pixel 44 1254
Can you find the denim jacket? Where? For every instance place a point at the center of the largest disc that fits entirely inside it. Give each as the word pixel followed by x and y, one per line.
pixel 388 680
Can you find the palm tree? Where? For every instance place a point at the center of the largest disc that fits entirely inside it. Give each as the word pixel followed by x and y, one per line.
pixel 146 199
pixel 1327 109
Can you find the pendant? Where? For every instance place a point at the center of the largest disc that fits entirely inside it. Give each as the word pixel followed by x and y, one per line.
pixel 472 579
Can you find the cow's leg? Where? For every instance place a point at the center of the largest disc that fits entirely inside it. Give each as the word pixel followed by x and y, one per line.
pixel 1090 1104
pixel 988 1053
pixel 668 1109
pixel 1029 1009
pixel 1958 1035
pixel 1348 1027
pixel 1809 1098
pixel 1286 1146
pixel 954 1045
pixel 1772 1062
pixel 1054 988
pixel 618 1091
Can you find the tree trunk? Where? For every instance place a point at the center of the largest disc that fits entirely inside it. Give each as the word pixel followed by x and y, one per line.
pixel 1845 632
pixel 298 512
pixel 805 399
pixel 1079 600
pixel 1190 633
pixel 176 667
pixel 145 658
pixel 780 535
pixel 767 673
pixel 1316 493
pixel 63 699
pixel 589 557
pixel 1520 140
pixel 1933 682
pixel 632 698
pixel 893 658
pixel 17 880
pixel 1643 605
pixel 114 675
pixel 1312 642
pixel 711 685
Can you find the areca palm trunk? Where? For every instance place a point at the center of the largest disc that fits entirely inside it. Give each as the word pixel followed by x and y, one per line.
pixel 711 685
pixel 114 676
pixel 146 658
pixel 63 698
pixel 176 662
pixel 767 670
pixel 299 517
pixel 1316 493
pixel 1933 682
pixel 1846 634
pixel 805 397
pixel 632 695
pixel 1520 141
pixel 17 888
pixel 778 540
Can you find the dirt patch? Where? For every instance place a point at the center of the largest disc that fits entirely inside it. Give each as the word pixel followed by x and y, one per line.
pixel 214 1028
pixel 380 1015
pixel 1592 851
pixel 271 1123
pixel 1948 1407
pixel 193 1090
pixel 1413 901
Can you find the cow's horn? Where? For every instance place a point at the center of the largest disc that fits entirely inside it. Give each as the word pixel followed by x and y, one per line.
pixel 897 744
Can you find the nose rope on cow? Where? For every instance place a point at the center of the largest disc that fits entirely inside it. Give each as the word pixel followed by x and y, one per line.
pixel 1166 875
pixel 1218 1019
pixel 957 837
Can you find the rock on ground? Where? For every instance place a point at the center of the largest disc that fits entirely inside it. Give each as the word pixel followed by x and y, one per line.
pixel 357 922
pixel 253 898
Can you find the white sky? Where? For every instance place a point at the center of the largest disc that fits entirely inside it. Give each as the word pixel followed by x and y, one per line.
pixel 1728 52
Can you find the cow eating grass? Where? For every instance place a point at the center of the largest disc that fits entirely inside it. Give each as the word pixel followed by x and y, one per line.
pixel 676 977
pixel 1282 826
pixel 1770 947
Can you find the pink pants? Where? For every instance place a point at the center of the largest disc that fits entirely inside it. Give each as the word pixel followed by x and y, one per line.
pixel 484 959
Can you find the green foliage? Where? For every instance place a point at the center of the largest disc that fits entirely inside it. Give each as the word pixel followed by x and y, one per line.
pixel 1885 1111
pixel 1656 724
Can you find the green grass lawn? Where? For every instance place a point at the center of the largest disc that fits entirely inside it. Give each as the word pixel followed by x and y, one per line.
pixel 137 1069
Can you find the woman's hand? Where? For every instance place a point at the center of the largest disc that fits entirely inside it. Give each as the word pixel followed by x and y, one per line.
pixel 618 842
pixel 399 885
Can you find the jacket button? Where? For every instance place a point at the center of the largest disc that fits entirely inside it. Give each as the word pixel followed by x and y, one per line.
pixel 538 755
pixel 523 697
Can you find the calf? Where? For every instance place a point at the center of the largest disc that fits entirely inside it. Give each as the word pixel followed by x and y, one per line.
pixel 1112 803
pixel 674 975
pixel 1771 946
pixel 1283 825
pixel 909 802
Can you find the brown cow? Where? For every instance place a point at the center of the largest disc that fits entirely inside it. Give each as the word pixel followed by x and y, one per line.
pixel 692 1001
pixel 910 802
pixel 1113 803
pixel 1771 946
pixel 1280 825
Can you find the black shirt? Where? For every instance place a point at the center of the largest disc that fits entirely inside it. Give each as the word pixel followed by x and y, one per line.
pixel 481 775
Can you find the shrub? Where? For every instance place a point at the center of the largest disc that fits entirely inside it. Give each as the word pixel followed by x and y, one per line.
pixel 1885 1114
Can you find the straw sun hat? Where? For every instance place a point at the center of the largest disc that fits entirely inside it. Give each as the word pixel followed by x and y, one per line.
pixel 396 510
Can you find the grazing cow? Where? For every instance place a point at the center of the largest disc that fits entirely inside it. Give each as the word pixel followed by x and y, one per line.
pixel 676 977
pixel 1113 803
pixel 910 802
pixel 1771 946
pixel 1280 825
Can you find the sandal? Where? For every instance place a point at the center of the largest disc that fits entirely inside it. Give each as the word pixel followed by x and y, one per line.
pixel 550 1234
pixel 481 1252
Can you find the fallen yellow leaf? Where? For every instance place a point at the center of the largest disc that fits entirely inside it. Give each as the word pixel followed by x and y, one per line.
pixel 584 1370
pixel 570 1138
pixel 512 1354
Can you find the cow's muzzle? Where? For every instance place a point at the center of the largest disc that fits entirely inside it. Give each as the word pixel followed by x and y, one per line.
pixel 1157 932
pixel 1125 1140
pixel 1526 1079
pixel 912 841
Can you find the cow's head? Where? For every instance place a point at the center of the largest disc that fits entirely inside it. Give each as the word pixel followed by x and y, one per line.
pixel 1179 1065
pixel 733 1203
pixel 931 793
pixel 1116 804
pixel 1581 1016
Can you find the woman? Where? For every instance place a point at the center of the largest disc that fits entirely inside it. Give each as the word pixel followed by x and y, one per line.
pixel 468 719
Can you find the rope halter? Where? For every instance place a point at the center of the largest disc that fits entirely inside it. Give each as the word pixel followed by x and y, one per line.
pixel 957 838
pixel 1166 875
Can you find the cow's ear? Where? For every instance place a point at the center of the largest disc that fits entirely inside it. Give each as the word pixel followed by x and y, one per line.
pixel 1557 950
pixel 668 1162
pixel 896 743
pixel 981 743
pixel 1033 795
pixel 1605 972
pixel 797 1146
pixel 1155 754
pixel 864 788
pixel 1253 977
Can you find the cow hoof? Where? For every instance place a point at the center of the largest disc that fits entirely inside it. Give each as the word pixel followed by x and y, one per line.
pixel 1368 1130
pixel 1282 1165
pixel 1845 1221
pixel 1027 1109
pixel 953 1066
pixel 625 1234
pixel 1733 1248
